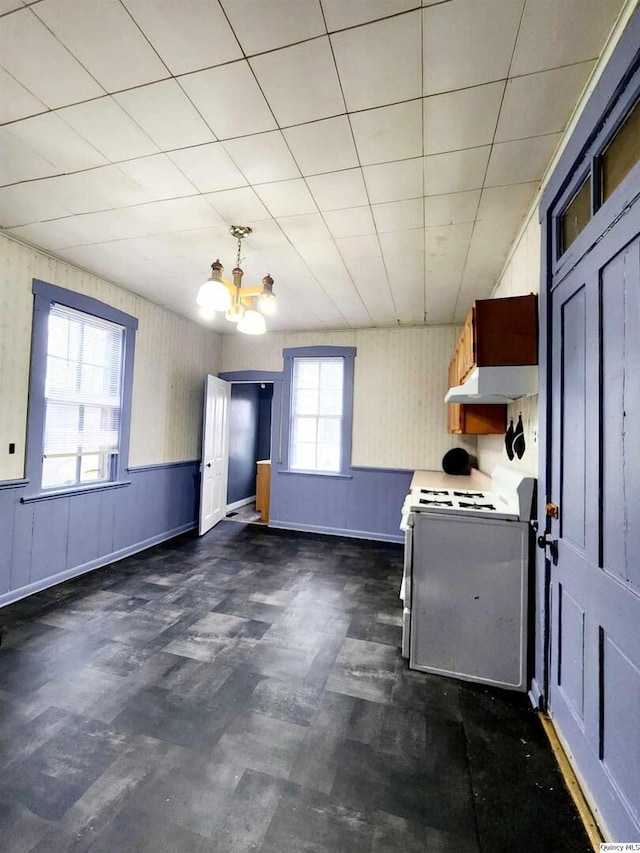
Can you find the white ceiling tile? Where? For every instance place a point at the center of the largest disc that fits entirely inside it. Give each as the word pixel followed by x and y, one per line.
pixel 398 215
pixel 509 201
pixel 266 26
pixel 521 161
pixel 451 208
pixel 10 6
pixel 440 301
pixel 322 146
pixel 182 214
pixel 34 201
pixel 388 133
pixel 287 198
pixel 241 205
pixel 266 236
pixel 55 234
pixel 455 171
pixel 489 245
pixel 57 142
pixel 22 38
pixel 448 241
pixel 229 99
pixel 541 103
pixel 159 177
pixel 406 278
pixel 105 40
pixel 15 101
pixel 105 125
pixel 350 222
pixel 188 35
pixel 263 158
pixel 355 249
pixel 562 32
pixel 463 119
pixel 19 163
pixel 209 167
pixel 394 181
pixel 483 34
pixel 97 189
pixel 338 190
pixel 304 229
pixel 402 242
pixel 340 14
pixel 166 115
pixel 316 91
pixel 367 60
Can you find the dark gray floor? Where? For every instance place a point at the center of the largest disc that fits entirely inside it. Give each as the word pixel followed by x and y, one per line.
pixel 245 692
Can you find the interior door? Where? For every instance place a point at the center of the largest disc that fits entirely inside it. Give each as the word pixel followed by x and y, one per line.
pixel 214 464
pixel 594 683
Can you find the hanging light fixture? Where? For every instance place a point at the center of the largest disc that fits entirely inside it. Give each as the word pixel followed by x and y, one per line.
pixel 244 306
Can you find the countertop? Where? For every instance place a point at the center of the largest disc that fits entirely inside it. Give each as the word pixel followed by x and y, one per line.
pixel 439 480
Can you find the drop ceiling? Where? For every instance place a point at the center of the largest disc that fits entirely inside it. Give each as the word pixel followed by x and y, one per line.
pixel 384 152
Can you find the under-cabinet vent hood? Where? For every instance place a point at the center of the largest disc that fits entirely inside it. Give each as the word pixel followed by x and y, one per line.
pixel 496 385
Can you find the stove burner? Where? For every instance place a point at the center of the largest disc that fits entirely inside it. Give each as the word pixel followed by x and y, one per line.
pixel 435 503
pixel 488 507
pixel 468 494
pixel 434 492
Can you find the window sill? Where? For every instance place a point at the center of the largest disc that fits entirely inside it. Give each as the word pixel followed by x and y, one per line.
pixel 78 490
pixel 332 474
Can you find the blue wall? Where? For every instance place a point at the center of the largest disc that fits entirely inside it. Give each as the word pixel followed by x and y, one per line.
pixel 43 542
pixel 244 410
pixel 264 422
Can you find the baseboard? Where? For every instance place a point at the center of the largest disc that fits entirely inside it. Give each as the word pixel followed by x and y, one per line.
pixel 572 784
pixel 76 571
pixel 336 531
pixel 238 504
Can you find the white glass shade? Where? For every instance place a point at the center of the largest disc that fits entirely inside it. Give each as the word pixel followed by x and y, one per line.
pixel 235 313
pixel 267 303
pixel 214 296
pixel 207 312
pixel 252 323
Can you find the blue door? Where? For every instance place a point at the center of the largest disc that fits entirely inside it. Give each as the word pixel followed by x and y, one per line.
pixel 594 674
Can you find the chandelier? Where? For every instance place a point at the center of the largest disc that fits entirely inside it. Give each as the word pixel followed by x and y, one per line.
pixel 245 306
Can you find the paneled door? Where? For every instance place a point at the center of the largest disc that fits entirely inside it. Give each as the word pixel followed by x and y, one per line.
pixel 214 466
pixel 594 683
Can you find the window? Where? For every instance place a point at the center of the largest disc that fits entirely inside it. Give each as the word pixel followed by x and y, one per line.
pixel 83 398
pixel 576 215
pixel 316 414
pixel 622 153
pixel 79 393
pixel 318 402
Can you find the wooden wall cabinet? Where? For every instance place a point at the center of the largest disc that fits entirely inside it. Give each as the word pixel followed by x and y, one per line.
pixel 496 332
pixel 263 488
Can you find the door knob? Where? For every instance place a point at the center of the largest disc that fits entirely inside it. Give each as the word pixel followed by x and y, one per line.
pixel 547 541
pixel 208 464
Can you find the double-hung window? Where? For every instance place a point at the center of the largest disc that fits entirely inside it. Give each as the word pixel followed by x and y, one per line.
pixel 79 393
pixel 320 382
pixel 83 398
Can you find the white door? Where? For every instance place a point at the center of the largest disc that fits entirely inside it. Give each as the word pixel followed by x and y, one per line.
pixel 214 465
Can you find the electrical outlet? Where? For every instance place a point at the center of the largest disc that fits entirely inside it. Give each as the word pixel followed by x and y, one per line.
pixel 12 447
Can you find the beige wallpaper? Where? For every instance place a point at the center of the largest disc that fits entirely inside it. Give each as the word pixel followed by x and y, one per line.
pixel 399 418
pixel 520 276
pixel 172 357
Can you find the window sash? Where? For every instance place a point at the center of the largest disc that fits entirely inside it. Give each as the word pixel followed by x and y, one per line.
pixel 83 398
pixel 317 410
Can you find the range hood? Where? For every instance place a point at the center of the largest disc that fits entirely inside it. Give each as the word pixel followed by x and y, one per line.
pixel 496 385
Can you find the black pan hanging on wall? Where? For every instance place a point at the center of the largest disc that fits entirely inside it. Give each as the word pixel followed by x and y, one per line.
pixel 519 445
pixel 508 439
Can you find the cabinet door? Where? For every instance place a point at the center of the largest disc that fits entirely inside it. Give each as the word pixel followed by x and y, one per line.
pixel 507 331
pixel 467 347
pixel 454 410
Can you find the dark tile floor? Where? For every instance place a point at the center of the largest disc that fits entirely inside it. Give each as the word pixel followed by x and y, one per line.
pixel 245 692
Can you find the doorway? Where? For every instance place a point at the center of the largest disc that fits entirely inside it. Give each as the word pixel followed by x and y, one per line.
pixel 250 409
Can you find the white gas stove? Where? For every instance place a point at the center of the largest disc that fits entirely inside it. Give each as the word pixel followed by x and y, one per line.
pixel 465 579
pixel 510 499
